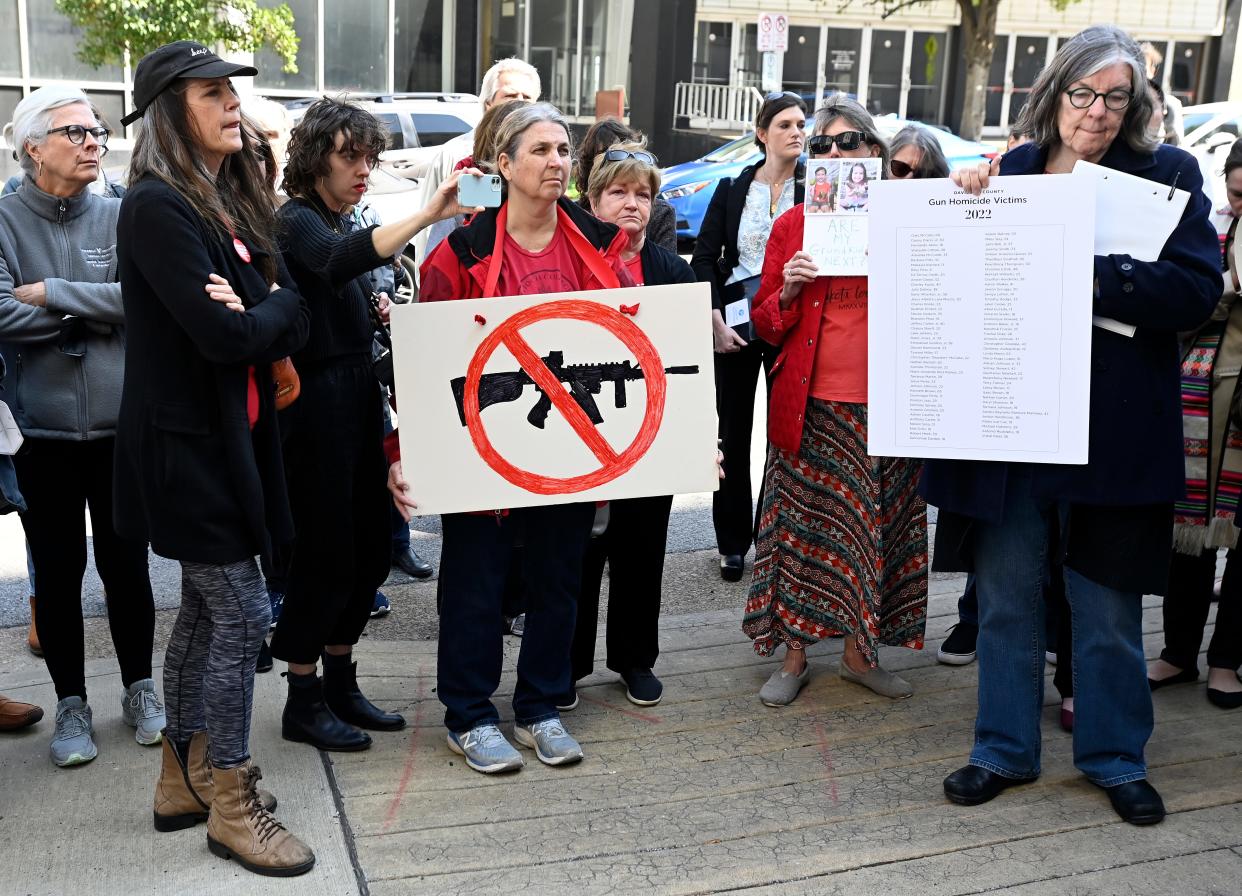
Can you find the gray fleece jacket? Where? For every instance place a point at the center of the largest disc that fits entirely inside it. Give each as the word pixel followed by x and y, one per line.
pixel 65 361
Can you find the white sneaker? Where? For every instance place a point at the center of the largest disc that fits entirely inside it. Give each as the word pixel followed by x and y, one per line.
pixel 550 741
pixel 486 749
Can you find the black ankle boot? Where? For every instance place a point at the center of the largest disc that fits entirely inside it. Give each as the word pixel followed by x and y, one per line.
pixel 341 693
pixel 307 718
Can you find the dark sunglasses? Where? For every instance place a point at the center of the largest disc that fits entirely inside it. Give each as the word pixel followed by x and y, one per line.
pixel 900 168
pixel 77 134
pixel 620 155
pixel 777 94
pixel 821 144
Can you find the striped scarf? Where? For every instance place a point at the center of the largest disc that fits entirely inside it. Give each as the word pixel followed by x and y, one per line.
pixel 1205 517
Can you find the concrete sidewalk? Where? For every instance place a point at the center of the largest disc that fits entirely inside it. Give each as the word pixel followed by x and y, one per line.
pixel 708 792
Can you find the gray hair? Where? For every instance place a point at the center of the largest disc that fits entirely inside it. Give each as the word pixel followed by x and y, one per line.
pixel 1087 52
pixel 932 162
pixel 838 105
pixel 509 134
pixel 511 64
pixel 32 119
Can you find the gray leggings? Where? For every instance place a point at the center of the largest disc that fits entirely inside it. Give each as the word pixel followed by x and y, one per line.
pixel 209 667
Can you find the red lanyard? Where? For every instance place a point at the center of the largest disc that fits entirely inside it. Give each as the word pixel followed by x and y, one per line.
pixel 581 245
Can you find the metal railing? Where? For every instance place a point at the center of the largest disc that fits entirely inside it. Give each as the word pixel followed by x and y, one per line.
pixel 716 106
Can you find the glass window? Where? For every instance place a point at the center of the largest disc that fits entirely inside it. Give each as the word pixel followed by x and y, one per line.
pixel 841 60
pixel 500 31
pixel 52 41
pixel 111 106
pixel 269 64
pixel 10 62
pixel 887 57
pixel 434 128
pixel 1028 60
pixel 9 98
pixel 355 39
pixel 712 46
pixel 550 44
pixel 391 122
pixel 593 50
pixel 927 57
pixel 1184 72
pixel 996 83
pixel 801 61
pixel 418 29
pixel 750 67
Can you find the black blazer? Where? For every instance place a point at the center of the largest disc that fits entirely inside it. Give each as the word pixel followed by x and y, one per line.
pixel 190 476
pixel 715 251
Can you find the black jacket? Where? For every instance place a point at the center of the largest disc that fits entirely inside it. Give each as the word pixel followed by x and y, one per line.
pixel 662 267
pixel 715 251
pixel 190 475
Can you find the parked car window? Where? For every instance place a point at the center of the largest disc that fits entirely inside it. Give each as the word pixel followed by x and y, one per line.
pixel 434 129
pixel 392 124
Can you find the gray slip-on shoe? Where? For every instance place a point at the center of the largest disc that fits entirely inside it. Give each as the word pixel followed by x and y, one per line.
pixel 883 682
pixel 782 688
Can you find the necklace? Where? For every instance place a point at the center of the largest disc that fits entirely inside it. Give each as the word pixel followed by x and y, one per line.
pixel 774 195
pixel 333 221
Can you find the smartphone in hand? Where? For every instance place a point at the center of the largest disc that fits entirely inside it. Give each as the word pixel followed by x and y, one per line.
pixel 479 189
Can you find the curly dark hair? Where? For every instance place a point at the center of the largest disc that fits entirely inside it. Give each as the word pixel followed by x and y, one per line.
pixel 314 138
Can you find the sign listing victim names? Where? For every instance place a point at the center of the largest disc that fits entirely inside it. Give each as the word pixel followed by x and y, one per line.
pixel 980 319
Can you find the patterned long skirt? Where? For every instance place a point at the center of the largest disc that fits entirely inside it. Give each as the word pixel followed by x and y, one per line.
pixel 842 541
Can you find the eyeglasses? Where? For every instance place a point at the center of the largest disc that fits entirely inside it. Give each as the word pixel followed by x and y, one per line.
pixel 821 144
pixel 620 155
pixel 777 94
pixel 1085 97
pixel 77 134
pixel 900 168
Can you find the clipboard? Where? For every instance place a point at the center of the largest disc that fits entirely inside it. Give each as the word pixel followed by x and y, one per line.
pixel 1133 216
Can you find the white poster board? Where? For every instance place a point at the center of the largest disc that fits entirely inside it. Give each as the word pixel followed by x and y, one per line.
pixel 837 199
pixel 979 322
pixel 629 411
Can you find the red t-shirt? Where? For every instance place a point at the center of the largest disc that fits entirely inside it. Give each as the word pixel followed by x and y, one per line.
pixel 556 268
pixel 635 268
pixel 840 369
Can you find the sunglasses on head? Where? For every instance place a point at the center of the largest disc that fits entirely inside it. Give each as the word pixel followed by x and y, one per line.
pixel 900 168
pixel 777 94
pixel 821 144
pixel 620 155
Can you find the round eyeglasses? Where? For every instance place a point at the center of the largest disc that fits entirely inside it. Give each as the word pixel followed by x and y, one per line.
pixel 77 134
pixel 1085 97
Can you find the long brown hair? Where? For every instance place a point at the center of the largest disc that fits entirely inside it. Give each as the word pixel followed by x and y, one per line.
pixel 236 199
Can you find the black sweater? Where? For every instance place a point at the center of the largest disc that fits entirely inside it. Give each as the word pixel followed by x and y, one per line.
pixel 330 270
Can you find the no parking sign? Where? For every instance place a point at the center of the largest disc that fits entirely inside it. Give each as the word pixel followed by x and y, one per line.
pixel 773 32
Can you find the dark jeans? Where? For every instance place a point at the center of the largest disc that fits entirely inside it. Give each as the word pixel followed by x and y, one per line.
pixel 633 547
pixel 733 507
pixel 474 564
pixel 334 461
pixel 60 479
pixel 1186 611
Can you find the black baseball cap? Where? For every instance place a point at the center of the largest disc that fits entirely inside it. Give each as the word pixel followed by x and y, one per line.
pixel 180 59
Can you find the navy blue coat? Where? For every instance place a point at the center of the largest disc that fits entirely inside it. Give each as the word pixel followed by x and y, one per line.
pixel 1135 453
pixel 1120 524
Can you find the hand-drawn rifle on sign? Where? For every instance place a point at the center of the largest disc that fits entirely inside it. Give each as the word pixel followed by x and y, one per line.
pixel 584 380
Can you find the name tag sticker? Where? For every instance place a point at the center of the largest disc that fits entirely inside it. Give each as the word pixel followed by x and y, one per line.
pixel 737 312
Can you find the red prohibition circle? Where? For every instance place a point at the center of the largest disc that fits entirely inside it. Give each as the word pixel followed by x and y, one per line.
pixel 612 464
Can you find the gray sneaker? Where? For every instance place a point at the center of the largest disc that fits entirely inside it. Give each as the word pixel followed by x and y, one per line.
pixel 142 710
pixel 550 741
pixel 486 749
pixel 72 744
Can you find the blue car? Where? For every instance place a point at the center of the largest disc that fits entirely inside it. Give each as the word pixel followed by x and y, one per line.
pixel 688 187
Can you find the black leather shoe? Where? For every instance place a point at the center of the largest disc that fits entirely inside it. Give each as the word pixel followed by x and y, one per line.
pixel 412 565
pixel 731 566
pixel 1136 802
pixel 1224 699
pixel 308 720
pixel 341 693
pixel 1184 677
pixel 972 785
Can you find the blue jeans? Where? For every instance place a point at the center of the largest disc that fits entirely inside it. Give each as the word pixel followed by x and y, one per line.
pixel 474 564
pixel 1112 713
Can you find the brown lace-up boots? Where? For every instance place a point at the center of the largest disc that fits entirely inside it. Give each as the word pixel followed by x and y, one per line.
pixel 239 828
pixel 183 793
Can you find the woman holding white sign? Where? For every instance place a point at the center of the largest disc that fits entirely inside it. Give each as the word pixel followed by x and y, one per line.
pixel 1110 520
pixel 536 242
pixel 842 543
